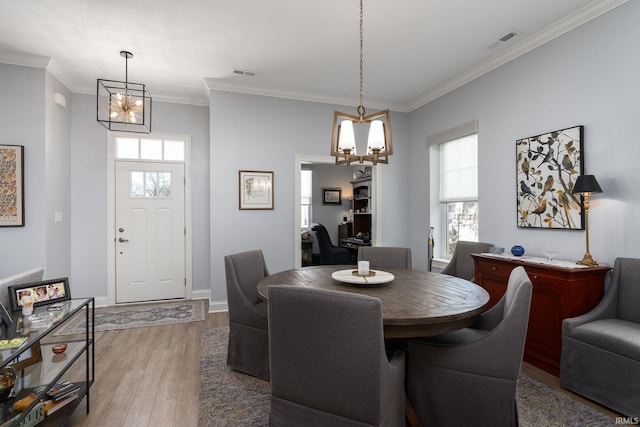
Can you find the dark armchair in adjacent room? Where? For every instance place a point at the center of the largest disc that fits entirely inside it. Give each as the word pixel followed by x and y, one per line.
pixel 248 324
pixel 601 349
pixel 330 254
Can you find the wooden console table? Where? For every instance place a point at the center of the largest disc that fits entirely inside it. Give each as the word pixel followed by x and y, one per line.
pixel 560 290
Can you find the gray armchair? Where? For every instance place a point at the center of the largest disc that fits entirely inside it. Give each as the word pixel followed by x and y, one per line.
pixel 328 361
pixel 469 377
pixel 248 324
pixel 601 349
pixel 385 256
pixel 461 264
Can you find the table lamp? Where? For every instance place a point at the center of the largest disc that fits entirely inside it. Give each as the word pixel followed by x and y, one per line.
pixel 585 186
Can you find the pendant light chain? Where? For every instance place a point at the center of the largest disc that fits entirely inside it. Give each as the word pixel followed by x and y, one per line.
pixel 361 110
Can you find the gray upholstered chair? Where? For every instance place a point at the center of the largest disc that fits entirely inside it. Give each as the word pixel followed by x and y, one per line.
pixel 385 256
pixel 328 361
pixel 248 324
pixel 461 264
pixel 469 377
pixel 601 349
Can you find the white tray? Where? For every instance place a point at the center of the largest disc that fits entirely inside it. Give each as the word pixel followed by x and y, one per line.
pixel 347 276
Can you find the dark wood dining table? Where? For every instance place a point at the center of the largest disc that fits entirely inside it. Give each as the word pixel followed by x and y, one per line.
pixel 414 304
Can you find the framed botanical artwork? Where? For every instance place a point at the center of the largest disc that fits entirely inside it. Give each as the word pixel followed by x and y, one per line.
pixel 547 167
pixel 11 186
pixel 331 196
pixel 39 293
pixel 255 190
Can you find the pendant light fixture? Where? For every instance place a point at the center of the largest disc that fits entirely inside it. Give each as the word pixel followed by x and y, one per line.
pixel 124 106
pixel 343 137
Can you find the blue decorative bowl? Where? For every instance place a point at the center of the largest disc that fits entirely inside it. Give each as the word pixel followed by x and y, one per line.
pixel 517 250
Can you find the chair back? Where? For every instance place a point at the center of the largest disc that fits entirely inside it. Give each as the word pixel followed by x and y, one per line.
pixel 461 264
pixel 243 271
pixel 385 256
pixel 326 351
pixel 626 277
pixel 324 241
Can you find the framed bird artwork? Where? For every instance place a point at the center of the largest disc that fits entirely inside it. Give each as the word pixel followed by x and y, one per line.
pixel 547 167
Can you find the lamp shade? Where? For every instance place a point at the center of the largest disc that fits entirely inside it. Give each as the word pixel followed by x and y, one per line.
pixel 376 139
pixel 586 184
pixel 347 138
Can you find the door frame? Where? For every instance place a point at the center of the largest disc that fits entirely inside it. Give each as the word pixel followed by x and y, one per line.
pixel 111 209
pixel 299 159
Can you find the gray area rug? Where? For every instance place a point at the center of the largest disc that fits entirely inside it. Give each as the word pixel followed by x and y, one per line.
pixel 229 398
pixel 137 316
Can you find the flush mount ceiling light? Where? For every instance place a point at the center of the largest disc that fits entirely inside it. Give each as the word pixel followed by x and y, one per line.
pixel 343 137
pixel 124 106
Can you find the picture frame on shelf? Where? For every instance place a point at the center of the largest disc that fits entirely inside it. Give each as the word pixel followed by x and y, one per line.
pixel 255 190
pixel 12 185
pixel 56 290
pixel 547 167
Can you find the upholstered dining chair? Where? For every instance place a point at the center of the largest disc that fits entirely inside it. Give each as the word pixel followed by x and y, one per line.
pixel 385 256
pixel 328 361
pixel 461 264
pixel 329 254
pixel 248 324
pixel 601 349
pixel 469 377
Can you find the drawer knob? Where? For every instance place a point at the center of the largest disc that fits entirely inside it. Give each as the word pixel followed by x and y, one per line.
pixel 494 268
pixel 535 277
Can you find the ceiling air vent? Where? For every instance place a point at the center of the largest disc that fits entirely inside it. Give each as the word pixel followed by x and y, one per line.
pixel 240 72
pixel 507 37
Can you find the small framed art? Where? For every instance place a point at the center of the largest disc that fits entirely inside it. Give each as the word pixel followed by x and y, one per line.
pixel 255 190
pixel 331 196
pixel 39 293
pixel 11 186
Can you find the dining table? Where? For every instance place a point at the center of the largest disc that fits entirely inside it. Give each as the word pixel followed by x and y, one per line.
pixel 415 303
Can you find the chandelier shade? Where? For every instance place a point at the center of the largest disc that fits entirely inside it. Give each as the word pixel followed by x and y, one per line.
pixel 122 105
pixel 345 134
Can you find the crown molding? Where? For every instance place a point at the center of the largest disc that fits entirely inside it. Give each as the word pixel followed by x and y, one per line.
pixel 582 16
pixel 24 59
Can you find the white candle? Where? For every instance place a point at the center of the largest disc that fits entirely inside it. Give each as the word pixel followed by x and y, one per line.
pixel 363 267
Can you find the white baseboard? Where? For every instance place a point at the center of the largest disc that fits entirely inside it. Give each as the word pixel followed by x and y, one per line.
pixel 218 306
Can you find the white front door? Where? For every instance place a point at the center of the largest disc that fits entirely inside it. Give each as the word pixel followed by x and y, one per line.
pixel 150 231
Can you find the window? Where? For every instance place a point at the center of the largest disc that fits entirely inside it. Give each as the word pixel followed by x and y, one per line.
pixel 150 149
pixel 454 183
pixel 305 198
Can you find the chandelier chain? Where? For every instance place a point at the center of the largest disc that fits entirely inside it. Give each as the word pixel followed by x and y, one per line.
pixel 361 110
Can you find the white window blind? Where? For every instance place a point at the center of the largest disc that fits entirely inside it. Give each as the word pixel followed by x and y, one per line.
pixel 459 169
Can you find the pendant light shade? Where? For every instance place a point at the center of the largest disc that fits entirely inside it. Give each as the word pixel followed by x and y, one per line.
pixel 122 105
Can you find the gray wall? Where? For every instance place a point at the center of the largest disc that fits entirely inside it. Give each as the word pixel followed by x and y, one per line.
pixel 588 77
pixel 23 122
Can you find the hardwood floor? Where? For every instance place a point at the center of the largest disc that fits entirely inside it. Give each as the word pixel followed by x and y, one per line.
pixel 151 377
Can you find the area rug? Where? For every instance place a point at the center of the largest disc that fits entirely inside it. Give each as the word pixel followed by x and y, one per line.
pixel 229 398
pixel 137 316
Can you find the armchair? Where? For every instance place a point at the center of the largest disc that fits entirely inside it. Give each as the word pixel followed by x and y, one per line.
pixel 601 349
pixel 329 254
pixel 461 264
pixel 248 324
pixel 385 256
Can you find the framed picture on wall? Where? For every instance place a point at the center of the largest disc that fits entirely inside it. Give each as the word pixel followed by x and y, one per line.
pixel 11 186
pixel 255 190
pixel 331 196
pixel 547 166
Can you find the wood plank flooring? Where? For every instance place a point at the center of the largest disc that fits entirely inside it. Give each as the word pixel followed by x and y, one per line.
pixel 151 377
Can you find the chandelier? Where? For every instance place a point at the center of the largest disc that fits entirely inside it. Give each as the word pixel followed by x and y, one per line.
pixel 124 106
pixel 343 137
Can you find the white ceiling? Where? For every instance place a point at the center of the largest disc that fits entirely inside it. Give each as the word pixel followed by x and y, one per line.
pixel 414 50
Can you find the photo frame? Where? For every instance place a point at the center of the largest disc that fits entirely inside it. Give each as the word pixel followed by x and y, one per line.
pixel 56 290
pixel 255 190
pixel 332 196
pixel 547 166
pixel 11 186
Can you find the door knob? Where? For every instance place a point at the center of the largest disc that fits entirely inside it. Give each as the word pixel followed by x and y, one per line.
pixel 121 240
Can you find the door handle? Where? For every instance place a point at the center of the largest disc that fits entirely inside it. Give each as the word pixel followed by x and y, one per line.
pixel 121 240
